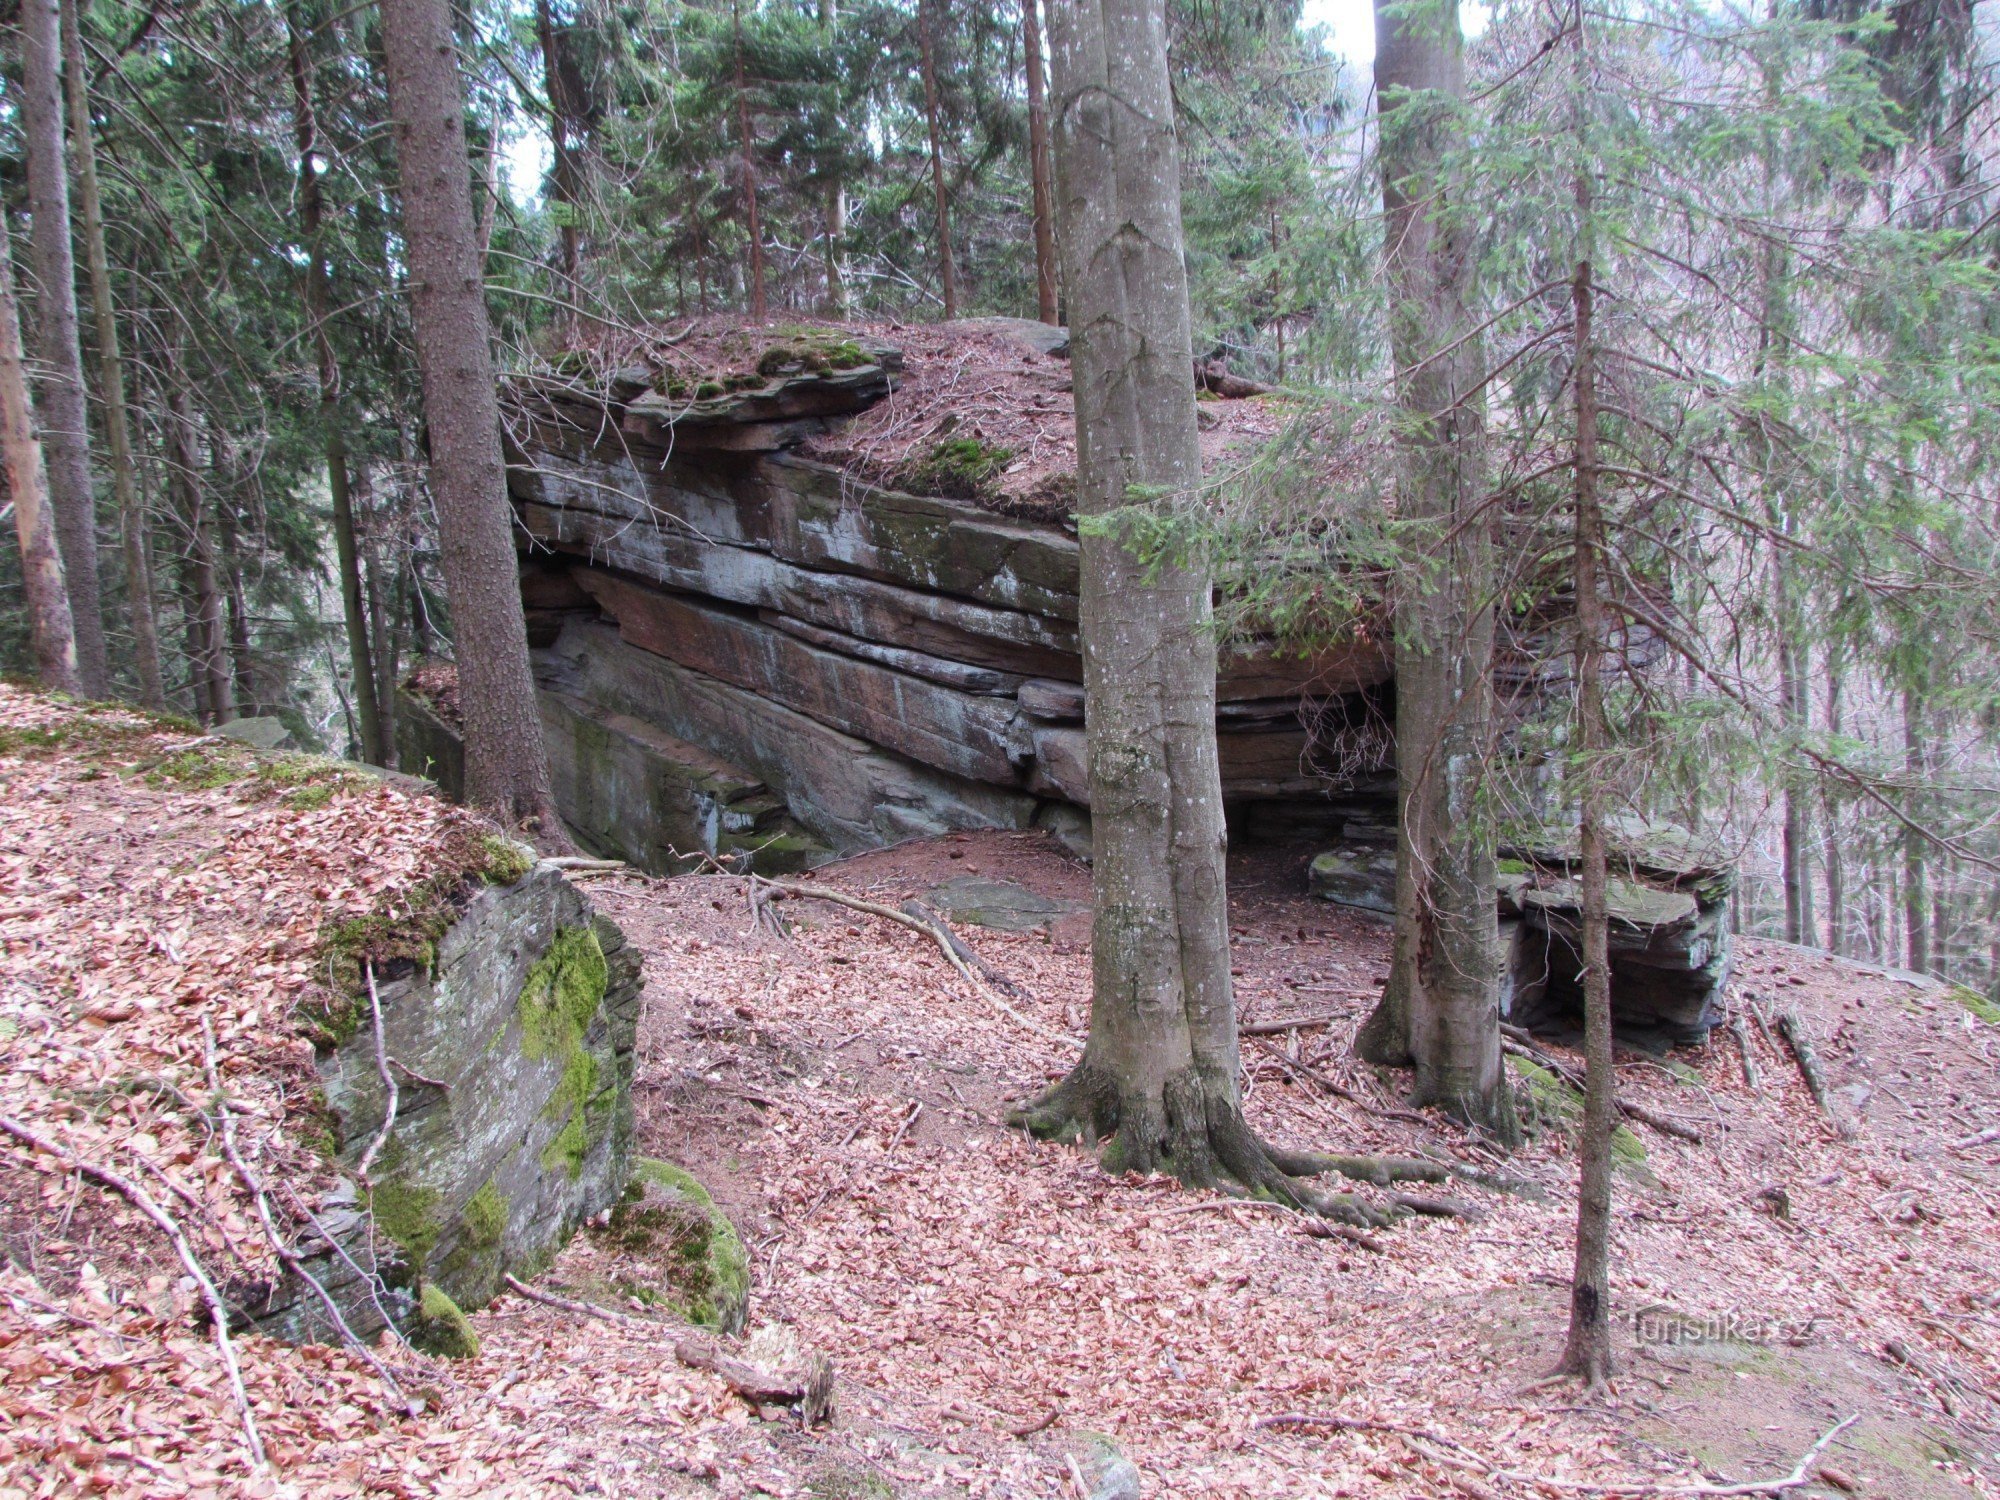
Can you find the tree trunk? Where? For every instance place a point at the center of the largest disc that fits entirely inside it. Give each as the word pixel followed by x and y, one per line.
pixel 333 437
pixel 66 430
pixel 1587 1351
pixel 1794 706
pixel 836 199
pixel 207 648
pixel 49 630
pixel 1442 1008
pixel 236 605
pixel 111 371
pixel 565 175
pixel 383 641
pixel 947 267
pixel 506 762
pixel 1916 897
pixel 1040 169
pixel 1833 857
pixel 1158 1077
pixel 753 224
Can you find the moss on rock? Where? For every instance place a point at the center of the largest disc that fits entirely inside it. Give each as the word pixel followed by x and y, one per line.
pixel 958 469
pixel 1553 1103
pixel 439 1327
pixel 559 996
pixel 1977 1003
pixel 668 1220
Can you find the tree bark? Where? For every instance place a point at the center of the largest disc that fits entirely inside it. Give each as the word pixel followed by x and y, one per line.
pixel 836 198
pixel 1040 170
pixel 49 630
pixel 947 266
pixel 506 762
pixel 1158 1077
pixel 208 652
pixel 66 429
pixel 753 223
pixel 1441 1010
pixel 333 438
pixel 111 371
pixel 1916 895
pixel 565 169
pixel 1587 1350
pixel 236 604
pixel 1834 857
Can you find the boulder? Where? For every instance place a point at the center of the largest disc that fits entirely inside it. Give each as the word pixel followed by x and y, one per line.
pixel 999 904
pixel 262 732
pixel 514 1117
pixel 1362 876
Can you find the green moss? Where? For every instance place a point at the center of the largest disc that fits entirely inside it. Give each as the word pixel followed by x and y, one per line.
pixel 707 390
pixel 438 1327
pixel 200 769
pixel 1977 1003
pixel 310 798
pixel 559 996
pixel 1512 867
pixel 812 352
pixel 485 1217
pixel 1552 1103
pixel 667 1219
pixel 405 1211
pixel 957 469
pixel 507 860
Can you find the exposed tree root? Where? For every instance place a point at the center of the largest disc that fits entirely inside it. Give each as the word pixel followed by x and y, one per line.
pixel 1194 1130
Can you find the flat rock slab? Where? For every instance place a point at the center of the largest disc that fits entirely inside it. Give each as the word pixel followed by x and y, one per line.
pixel 998 904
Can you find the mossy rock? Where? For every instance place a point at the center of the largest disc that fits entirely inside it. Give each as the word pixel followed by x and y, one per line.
pixel 438 1327
pixel 1977 1003
pixel 667 1220
pixel 1553 1104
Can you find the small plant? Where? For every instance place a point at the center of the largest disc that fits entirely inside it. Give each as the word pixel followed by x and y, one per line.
pixel 958 469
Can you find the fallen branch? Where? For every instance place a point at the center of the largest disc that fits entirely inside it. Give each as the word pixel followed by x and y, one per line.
pixel 1793 1030
pixel 218 1312
pixel 390 1094
pixel 1984 1137
pixel 810 1388
pixel 226 1128
pixel 947 941
pixel 1799 1477
pixel 1665 1124
pixel 1752 1074
pixel 1293 1023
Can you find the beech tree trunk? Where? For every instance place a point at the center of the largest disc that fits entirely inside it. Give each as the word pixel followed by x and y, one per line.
pixel 66 429
pixel 111 371
pixel 333 435
pixel 947 266
pixel 49 630
pixel 506 762
pixel 1158 1078
pixel 1441 1010
pixel 1587 1350
pixel 1040 169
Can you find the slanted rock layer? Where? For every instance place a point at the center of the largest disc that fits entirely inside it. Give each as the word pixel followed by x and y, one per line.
pixel 512 1053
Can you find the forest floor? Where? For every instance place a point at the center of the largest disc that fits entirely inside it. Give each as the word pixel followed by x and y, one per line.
pixel 1000 1314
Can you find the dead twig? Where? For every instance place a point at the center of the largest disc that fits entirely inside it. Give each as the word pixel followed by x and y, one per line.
pixel 390 1094
pixel 810 1387
pixel 1665 1124
pixel 947 941
pixel 226 1128
pixel 1752 1074
pixel 218 1311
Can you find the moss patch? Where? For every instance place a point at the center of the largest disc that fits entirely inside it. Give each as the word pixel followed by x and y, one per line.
pixel 404 1210
pixel 1977 1003
pixel 485 1217
pixel 559 996
pixel 667 1220
pixel 957 469
pixel 438 1327
pixel 1553 1104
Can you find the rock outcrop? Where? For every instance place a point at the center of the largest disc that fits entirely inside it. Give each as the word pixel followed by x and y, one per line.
pixel 1669 917
pixel 512 1052
pixel 729 612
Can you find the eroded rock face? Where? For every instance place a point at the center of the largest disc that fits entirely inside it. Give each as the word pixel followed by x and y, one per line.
pixel 1668 905
pixel 513 1059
